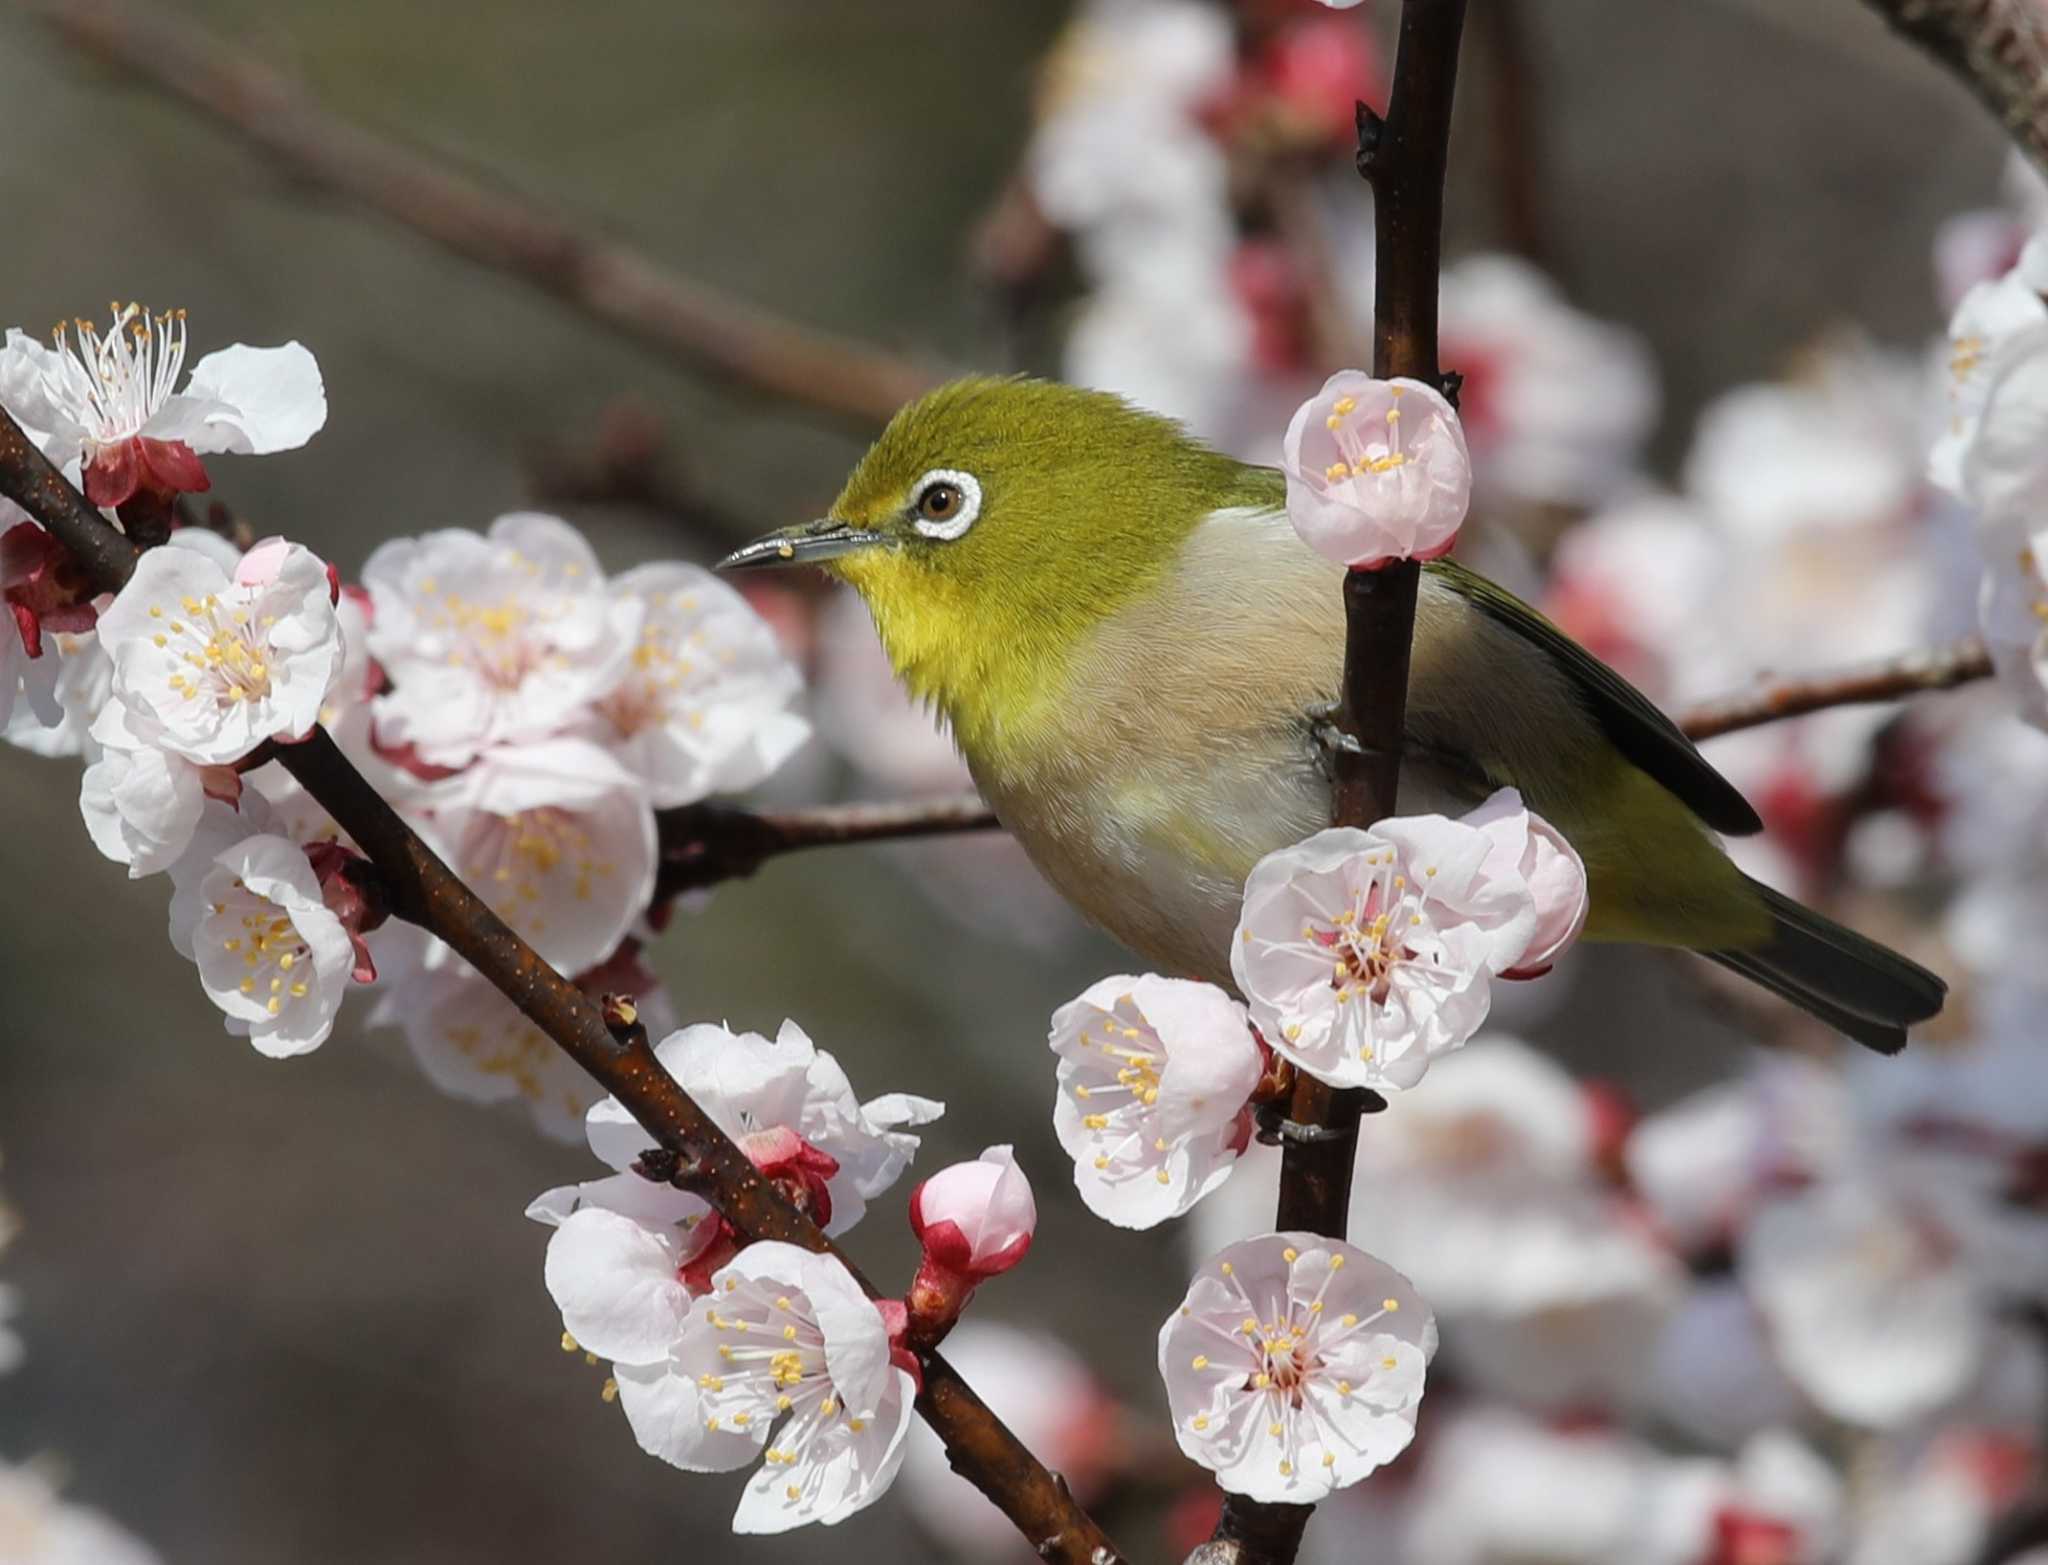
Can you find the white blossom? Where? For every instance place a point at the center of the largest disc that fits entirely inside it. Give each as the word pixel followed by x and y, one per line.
pixel 475 1044
pixel 207 668
pixel 269 952
pixel 784 1358
pixel 494 638
pixel 700 708
pixel 557 837
pixel 1154 1075
pixel 37 1527
pixel 1376 470
pixel 1295 1365
pixel 110 402
pixel 1363 955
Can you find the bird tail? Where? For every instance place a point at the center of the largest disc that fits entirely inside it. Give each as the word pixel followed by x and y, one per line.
pixel 1856 986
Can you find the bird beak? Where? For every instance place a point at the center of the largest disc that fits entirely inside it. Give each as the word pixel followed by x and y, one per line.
pixel 810 543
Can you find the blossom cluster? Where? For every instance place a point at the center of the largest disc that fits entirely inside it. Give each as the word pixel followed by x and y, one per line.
pixel 525 711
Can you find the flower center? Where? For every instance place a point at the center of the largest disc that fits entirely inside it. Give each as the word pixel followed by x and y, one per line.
pixel 527 847
pixel 226 658
pixel 115 384
pixel 1364 453
pixel 1363 948
pixel 274 955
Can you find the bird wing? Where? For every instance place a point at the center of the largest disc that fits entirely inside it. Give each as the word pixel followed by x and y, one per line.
pixel 1635 726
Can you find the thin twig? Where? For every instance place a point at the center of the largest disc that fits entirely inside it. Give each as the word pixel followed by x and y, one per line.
pixel 1403 156
pixel 1998 48
pixel 611 282
pixel 425 891
pixel 1935 668
pixel 703 844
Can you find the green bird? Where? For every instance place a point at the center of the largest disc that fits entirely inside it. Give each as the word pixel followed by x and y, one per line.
pixel 1129 643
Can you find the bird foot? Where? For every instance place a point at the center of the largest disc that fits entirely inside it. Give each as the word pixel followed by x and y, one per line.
pixel 1328 740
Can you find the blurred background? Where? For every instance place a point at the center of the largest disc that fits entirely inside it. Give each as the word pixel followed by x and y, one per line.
pixel 292 1310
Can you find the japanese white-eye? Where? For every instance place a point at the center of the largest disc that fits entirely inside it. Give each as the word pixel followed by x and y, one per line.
pixel 1128 638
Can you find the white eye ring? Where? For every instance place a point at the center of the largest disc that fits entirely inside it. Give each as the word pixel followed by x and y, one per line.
pixel 970 503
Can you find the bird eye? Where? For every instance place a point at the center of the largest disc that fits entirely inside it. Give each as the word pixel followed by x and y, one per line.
pixel 947 503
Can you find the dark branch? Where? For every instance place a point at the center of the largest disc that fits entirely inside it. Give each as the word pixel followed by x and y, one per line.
pixel 1997 48
pixel 703 844
pixel 613 283
pixel 1403 157
pixel 423 890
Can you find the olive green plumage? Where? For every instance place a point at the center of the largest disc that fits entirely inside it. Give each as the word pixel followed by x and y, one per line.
pixel 1126 635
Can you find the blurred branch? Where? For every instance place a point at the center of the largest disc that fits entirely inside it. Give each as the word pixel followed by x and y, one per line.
pixel 1501 33
pixel 627 463
pixel 611 282
pixel 1999 50
pixel 1937 668
pixel 699 1157
pixel 703 844
pixel 1403 158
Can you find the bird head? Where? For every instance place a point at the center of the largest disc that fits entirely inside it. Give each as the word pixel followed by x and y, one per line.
pixel 995 523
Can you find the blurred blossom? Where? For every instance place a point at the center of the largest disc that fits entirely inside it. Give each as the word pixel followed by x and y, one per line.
pixel 1556 405
pixel 109 404
pixel 493 638
pixel 557 837
pixel 474 1044
pixel 1497 1490
pixel 699 709
pixel 1048 1398
pixel 39 1528
pixel 1153 1111
pixel 1634 586
pixel 1295 1366
pixel 1712 1374
pixel 1934 1503
pixel 1879 1289
pixel 1706 1163
pixel 2014 614
pixel 1376 471
pixel 1486 1185
pixel 1117 140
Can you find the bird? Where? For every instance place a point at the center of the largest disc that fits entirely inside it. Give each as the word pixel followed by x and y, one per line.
pixel 1136 654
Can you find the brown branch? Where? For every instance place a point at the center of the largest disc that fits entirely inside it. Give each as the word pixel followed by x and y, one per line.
pixel 702 1159
pixel 1935 668
pixel 1997 48
pixel 1501 32
pixel 611 282
pixel 703 844
pixel 626 462
pixel 1403 157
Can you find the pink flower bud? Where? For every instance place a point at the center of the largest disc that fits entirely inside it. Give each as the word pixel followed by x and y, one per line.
pixel 1376 471
pixel 974 1220
pixel 1530 846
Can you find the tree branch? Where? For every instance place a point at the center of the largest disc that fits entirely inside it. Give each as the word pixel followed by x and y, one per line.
pixel 610 282
pixel 703 844
pixel 1997 48
pixel 424 891
pixel 1935 668
pixel 1403 157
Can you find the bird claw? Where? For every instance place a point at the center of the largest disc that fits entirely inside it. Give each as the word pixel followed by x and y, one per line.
pixel 1329 740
